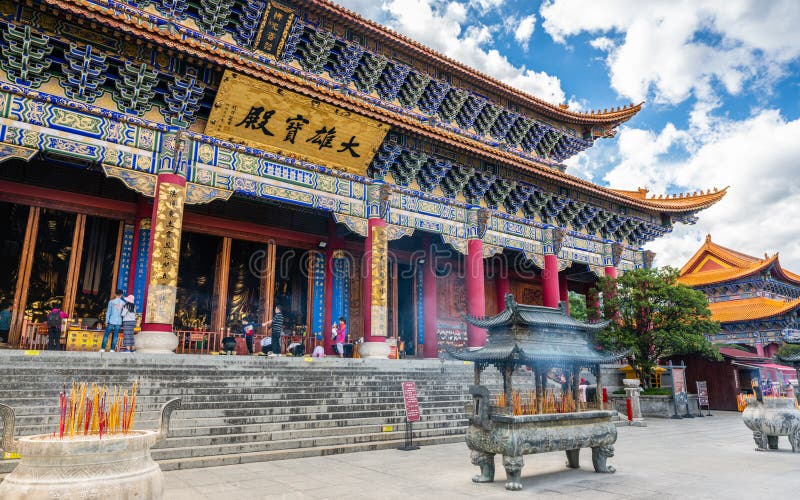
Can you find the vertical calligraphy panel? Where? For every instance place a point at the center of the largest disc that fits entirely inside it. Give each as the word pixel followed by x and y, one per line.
pixel 165 254
pixel 380 282
pixel 341 288
pixel 420 306
pixel 318 307
pixel 125 257
pixel 142 261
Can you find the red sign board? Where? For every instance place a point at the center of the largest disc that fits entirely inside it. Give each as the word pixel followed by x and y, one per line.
pixel 410 399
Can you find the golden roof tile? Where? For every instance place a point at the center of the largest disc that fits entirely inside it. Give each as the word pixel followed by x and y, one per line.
pixel 607 117
pixel 751 309
pixel 728 265
pixel 203 50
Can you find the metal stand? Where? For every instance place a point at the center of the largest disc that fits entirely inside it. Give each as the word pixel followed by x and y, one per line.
pixel 675 407
pixel 409 446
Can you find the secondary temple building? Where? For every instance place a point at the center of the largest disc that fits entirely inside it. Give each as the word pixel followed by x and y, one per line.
pixel 755 299
pixel 218 158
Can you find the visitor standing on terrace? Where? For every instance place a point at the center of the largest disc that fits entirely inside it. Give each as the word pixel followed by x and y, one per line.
pixel 276 323
pixel 128 323
pixel 113 321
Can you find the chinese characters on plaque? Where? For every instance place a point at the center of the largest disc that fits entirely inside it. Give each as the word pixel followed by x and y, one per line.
pixel 379 282
pixel 267 117
pixel 162 288
pixel 274 28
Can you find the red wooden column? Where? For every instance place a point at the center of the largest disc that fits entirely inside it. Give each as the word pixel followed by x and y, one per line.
pixel 550 292
pixel 563 291
pixel 502 286
pixel 611 272
pixel 475 287
pixel 550 285
pixel 430 348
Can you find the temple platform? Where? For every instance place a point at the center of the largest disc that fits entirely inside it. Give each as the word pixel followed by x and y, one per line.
pixel 240 409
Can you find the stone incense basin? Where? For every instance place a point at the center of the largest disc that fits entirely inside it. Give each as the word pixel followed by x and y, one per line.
pixel 513 436
pixel 116 466
pixel 770 418
pixel 84 467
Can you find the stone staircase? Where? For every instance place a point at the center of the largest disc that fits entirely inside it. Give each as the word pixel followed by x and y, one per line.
pixel 249 409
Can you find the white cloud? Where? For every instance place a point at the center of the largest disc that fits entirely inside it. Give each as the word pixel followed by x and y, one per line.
pixel 487 5
pixel 602 43
pixel 757 157
pixel 524 31
pixel 453 29
pixel 677 49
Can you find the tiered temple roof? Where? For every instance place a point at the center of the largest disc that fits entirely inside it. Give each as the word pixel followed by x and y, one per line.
pixel 746 293
pixel 525 334
pixel 455 133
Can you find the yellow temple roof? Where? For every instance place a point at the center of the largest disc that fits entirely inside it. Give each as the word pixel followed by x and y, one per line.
pixel 684 201
pixel 714 263
pixel 750 309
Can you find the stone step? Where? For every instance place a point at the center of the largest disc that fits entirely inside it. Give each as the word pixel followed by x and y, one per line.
pixel 297 434
pixel 191 401
pixel 285 454
pixel 310 442
pixel 241 409
pixel 220 430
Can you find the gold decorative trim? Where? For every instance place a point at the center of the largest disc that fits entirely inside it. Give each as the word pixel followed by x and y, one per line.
pixel 9 151
pixel 458 244
pixel 141 182
pixel 395 232
pixel 357 225
pixel 198 194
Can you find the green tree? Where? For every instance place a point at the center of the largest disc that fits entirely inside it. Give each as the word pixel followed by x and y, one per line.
pixel 655 318
pixel 577 306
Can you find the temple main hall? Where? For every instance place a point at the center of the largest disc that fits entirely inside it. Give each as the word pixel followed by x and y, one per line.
pixel 218 159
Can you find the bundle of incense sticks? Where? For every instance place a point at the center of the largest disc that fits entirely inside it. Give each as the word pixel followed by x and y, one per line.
pixel 96 410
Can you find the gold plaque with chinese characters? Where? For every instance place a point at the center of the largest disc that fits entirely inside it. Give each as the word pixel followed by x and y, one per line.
pixel 264 116
pixel 162 288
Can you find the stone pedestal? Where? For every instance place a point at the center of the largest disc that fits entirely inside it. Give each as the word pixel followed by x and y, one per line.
pixel 374 350
pixel 632 391
pixel 150 342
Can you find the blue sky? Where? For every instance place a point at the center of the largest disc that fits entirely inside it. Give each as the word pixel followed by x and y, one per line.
pixel 721 81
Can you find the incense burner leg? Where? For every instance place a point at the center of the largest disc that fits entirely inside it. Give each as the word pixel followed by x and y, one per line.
pixel 772 442
pixel 599 456
pixel 513 467
pixel 761 441
pixel 486 462
pixel 573 458
pixel 794 439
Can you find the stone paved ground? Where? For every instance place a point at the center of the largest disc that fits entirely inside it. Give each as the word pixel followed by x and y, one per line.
pixel 697 458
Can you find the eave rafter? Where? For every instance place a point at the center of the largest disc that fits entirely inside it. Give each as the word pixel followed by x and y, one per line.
pixel 452 102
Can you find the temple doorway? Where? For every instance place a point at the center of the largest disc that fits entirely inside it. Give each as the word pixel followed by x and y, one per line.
pixel 406 312
pixel 196 281
pixel 293 273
